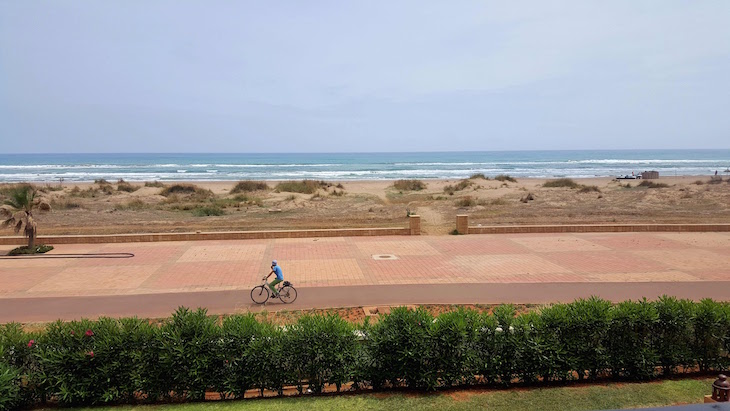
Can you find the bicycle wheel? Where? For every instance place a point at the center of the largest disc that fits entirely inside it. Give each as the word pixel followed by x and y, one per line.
pixel 260 294
pixel 288 294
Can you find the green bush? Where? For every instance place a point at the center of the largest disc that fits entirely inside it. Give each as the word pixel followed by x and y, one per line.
pixel 37 249
pixel 631 350
pixel 248 186
pixel 400 349
pixel 191 353
pixel 242 362
pixel 674 333
pixel 321 349
pixel 455 353
pixel 409 185
pixel 585 336
pixel 9 387
pixel 111 361
pixel 712 334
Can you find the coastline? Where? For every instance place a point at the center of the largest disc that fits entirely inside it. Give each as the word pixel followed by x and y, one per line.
pixel 88 208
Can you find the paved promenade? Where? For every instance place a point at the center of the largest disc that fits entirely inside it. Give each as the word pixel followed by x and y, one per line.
pixel 366 271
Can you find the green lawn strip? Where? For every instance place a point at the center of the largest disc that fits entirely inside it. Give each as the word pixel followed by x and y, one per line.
pixel 593 397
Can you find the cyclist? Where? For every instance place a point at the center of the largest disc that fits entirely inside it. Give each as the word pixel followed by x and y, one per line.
pixel 275 269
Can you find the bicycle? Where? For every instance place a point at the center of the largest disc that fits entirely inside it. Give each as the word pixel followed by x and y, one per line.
pixel 261 293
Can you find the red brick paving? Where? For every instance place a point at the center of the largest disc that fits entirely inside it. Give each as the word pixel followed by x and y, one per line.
pixel 175 267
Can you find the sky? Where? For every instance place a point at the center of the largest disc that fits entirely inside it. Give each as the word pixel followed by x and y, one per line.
pixel 362 76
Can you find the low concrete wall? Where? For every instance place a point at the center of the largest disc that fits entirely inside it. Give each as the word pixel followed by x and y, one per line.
pixel 223 235
pixel 600 228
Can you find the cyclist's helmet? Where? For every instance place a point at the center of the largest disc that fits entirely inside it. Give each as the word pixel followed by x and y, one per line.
pixel 273 262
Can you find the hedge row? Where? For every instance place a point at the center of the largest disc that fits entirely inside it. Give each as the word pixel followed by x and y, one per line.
pixel 129 360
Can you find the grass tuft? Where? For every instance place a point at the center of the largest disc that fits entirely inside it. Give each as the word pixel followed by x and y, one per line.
pixel 154 184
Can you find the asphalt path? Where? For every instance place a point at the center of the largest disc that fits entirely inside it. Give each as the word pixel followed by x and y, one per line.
pixel 45 309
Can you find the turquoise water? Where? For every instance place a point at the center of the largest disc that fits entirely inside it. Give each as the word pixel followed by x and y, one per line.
pixel 357 166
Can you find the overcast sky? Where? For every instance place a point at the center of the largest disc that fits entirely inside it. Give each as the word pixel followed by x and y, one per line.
pixel 339 76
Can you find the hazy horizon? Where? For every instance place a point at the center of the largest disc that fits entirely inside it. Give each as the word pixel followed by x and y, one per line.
pixel 247 77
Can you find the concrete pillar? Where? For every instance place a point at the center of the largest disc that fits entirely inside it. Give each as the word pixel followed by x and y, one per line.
pixel 462 224
pixel 414 223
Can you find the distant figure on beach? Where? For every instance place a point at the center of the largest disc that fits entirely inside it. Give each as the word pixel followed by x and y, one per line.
pixel 715 172
pixel 279 278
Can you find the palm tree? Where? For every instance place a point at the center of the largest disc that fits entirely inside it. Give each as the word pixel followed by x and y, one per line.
pixel 17 211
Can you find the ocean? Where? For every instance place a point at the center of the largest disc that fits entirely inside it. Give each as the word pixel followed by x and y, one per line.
pixel 358 166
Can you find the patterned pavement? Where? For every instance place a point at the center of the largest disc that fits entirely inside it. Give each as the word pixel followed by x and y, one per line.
pixel 177 267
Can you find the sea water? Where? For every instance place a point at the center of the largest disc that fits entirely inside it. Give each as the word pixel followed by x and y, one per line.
pixel 358 166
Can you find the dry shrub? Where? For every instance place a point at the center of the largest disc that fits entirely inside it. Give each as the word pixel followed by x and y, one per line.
pixel 133 205
pixel 651 184
pixel 409 185
pixel 588 189
pixel 699 182
pixel 186 190
pixel 101 181
pixel 64 204
pixel 246 186
pixel 458 187
pixel 561 182
pixel 467 201
pixel 337 193
pixel 248 200
pixel 478 175
pixel 154 184
pixel 505 177
pixel 498 201
pixel 125 186
pixel 528 197
pixel 303 187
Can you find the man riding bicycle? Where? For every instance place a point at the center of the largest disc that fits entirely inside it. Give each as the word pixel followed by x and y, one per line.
pixel 279 278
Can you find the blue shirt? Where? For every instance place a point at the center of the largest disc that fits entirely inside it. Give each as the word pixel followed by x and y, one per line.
pixel 278 272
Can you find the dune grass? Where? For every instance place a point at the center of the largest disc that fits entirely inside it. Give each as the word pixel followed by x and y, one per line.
pixel 592 397
pixel 651 184
pixel 505 177
pixel 247 186
pixel 561 182
pixel 302 187
pixel 461 185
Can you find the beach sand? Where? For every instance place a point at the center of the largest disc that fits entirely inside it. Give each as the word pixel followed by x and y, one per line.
pixel 379 204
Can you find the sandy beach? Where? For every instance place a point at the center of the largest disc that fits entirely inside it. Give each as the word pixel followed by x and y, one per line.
pixel 88 208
